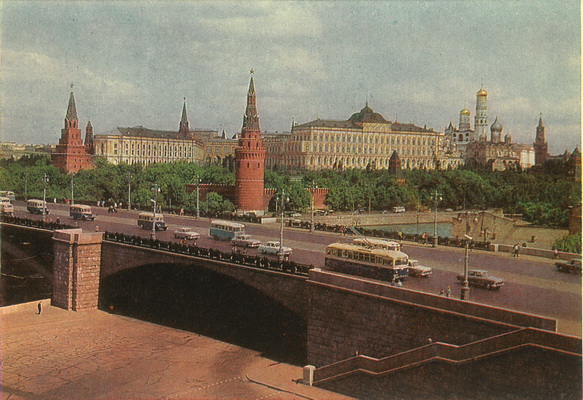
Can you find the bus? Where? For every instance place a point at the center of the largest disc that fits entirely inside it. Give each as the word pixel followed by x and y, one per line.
pixel 146 220
pixel 9 194
pixel 80 211
pixel 377 243
pixel 380 264
pixel 226 230
pixel 36 207
pixel 6 207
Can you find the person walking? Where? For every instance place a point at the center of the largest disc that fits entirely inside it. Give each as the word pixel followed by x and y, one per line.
pixel 515 251
pixel 40 307
pixel 448 293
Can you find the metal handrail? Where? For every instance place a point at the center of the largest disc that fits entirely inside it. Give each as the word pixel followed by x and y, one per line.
pixel 288 267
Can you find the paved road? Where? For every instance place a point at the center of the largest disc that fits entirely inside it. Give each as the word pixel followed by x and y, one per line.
pixel 532 283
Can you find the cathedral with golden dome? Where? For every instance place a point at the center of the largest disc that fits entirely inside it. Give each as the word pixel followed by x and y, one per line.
pixel 484 147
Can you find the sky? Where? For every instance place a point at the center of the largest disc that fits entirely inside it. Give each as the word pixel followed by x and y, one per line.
pixel 421 62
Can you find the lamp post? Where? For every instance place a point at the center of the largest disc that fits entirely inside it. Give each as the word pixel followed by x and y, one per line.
pixel 72 188
pixel 197 197
pixel 155 189
pixel 312 205
pixel 26 186
pixel 465 291
pixel 129 191
pixel 44 213
pixel 437 197
pixel 283 200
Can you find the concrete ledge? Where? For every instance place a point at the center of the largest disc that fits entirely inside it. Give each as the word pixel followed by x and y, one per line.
pixel 31 306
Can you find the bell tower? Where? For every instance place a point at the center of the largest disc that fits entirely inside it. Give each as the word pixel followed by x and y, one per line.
pixel 541 147
pixel 250 158
pixel 481 118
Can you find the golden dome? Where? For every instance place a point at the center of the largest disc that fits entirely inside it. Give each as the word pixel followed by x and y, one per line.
pixel 465 111
pixel 482 92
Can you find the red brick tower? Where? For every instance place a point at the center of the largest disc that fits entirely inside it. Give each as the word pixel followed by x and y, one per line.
pixel 250 159
pixel 71 154
pixel 89 145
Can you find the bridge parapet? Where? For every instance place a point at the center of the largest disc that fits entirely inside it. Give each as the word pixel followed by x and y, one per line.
pixel 76 269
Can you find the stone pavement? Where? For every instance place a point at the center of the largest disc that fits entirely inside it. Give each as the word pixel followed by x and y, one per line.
pixel 95 355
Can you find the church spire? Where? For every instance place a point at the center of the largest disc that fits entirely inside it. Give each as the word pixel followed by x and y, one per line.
pixel 184 126
pixel 251 118
pixel 71 120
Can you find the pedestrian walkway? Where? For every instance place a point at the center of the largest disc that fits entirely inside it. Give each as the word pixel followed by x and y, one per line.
pixel 59 354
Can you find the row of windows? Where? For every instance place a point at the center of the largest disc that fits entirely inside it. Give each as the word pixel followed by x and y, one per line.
pixel 377 139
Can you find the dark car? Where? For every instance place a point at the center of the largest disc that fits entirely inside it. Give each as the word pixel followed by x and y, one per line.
pixel 482 278
pixel 573 266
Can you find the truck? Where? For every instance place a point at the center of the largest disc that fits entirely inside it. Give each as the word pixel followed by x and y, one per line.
pixel 275 248
pixel 482 278
pixel 573 266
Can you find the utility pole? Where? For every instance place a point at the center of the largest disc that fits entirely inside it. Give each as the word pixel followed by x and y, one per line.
pixel 465 291
pixel 280 255
pixel 197 197
pixel 312 201
pixel 44 214
pixel 437 197
pixel 155 189
pixel 129 191
pixel 72 189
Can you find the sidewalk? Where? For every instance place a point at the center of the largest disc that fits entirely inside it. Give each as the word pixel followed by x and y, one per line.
pixel 68 355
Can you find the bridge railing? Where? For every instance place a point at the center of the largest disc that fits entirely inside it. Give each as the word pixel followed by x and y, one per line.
pixel 288 267
pixel 48 225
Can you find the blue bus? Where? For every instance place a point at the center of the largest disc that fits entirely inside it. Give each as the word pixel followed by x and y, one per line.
pixel 226 230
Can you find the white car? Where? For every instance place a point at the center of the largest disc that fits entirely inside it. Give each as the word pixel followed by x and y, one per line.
pixel 275 249
pixel 186 233
pixel 245 241
pixel 419 270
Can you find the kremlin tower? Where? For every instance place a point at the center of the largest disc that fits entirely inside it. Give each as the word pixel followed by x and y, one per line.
pixel 541 147
pixel 481 118
pixel 71 155
pixel 250 159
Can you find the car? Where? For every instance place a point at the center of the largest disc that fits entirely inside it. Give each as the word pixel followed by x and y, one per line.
pixel 482 278
pixel 186 233
pixel 419 270
pixel 273 247
pixel 573 266
pixel 245 241
pixel 295 214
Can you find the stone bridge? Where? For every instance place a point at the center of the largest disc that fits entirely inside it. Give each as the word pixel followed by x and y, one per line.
pixel 363 336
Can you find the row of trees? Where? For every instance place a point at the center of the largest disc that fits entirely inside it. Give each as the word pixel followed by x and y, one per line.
pixel 543 196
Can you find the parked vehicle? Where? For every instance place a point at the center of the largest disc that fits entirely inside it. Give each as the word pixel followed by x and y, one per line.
pixel 186 233
pixel 82 212
pixel 367 262
pixel 482 278
pixel 37 206
pixel 419 270
pixel 573 266
pixel 275 248
pixel 398 209
pixel 6 207
pixel 245 241
pixel 146 220
pixel 226 230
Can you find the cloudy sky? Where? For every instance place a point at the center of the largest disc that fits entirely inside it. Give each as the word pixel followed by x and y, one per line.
pixel 132 63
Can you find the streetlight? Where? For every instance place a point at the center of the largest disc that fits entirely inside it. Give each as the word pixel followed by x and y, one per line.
pixel 312 201
pixel 44 213
pixel 155 189
pixel 437 197
pixel 283 200
pixel 72 188
pixel 26 186
pixel 465 291
pixel 129 191
pixel 197 196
